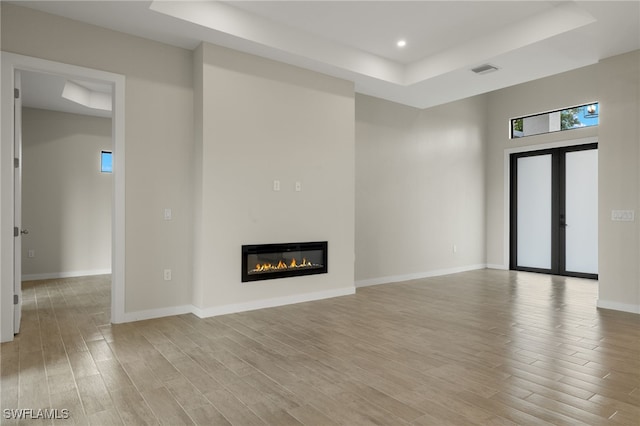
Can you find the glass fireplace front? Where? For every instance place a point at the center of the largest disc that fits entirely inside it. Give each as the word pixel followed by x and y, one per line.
pixel 269 261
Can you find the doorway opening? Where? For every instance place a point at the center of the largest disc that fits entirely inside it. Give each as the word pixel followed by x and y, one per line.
pixel 66 194
pixel 554 211
pixel 10 152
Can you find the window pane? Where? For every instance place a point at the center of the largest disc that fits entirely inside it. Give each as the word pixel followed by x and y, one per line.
pixel 106 162
pixel 554 121
pixel 534 211
pixel 582 211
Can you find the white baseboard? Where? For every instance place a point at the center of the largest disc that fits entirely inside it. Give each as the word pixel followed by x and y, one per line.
pixel 235 308
pixel 158 313
pixel 273 302
pixel 496 266
pixel 418 275
pixel 616 306
pixel 70 274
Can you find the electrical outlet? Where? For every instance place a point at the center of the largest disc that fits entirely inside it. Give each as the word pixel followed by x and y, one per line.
pixel 455 248
pixel 31 253
pixel 167 274
pixel 276 185
pixel 298 186
pixel 168 215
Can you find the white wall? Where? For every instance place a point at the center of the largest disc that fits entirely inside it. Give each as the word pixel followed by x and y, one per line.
pixel 614 83
pixel 263 121
pixel 419 189
pixel 159 142
pixel 619 153
pixel 66 201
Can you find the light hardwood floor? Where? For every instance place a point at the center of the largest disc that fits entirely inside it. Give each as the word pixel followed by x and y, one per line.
pixel 482 347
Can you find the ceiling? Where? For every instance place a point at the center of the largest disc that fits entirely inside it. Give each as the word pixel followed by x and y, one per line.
pixel 356 40
pixel 45 91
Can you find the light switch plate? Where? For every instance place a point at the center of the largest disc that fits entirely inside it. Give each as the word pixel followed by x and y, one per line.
pixel 168 215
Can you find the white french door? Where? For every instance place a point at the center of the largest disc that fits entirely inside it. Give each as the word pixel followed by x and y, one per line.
pixel 554 211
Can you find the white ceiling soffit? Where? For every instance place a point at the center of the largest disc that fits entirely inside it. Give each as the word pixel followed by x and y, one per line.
pixel 45 91
pixel 81 95
pixel 356 40
pixel 440 77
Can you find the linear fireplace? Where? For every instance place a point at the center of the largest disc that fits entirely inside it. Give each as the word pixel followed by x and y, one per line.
pixel 269 261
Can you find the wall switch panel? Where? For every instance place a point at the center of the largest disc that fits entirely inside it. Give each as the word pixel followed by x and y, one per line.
pixel 623 215
pixel 298 186
pixel 167 274
pixel 31 253
pixel 276 185
pixel 168 215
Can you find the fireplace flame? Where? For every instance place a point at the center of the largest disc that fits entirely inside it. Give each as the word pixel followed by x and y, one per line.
pixel 264 267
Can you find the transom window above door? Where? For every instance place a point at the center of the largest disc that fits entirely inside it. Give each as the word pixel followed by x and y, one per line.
pixel 555 121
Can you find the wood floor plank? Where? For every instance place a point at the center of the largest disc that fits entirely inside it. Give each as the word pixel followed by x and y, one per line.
pixel 232 408
pixel 108 417
pixel 132 407
pixel 185 393
pixel 113 375
pixel 501 409
pixel 446 398
pixel 141 376
pixel 207 415
pixel 94 394
pixel 165 407
pixel 568 410
pixel 309 416
pixel 271 414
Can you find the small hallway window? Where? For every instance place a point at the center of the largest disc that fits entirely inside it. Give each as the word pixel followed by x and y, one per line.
pixel 106 162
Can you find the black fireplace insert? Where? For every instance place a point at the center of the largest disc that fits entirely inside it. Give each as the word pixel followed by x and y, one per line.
pixel 270 261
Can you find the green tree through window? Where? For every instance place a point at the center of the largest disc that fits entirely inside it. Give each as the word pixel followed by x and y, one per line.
pixel 569 118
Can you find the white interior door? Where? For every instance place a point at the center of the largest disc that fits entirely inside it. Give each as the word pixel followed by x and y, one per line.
pixel 17 217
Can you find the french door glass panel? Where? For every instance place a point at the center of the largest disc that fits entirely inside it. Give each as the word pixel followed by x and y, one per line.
pixel 582 211
pixel 534 212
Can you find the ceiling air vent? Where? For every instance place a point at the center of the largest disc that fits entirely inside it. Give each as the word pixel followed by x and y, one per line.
pixel 484 69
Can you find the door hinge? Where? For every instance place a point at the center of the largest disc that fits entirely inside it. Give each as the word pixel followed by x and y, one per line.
pixel 16 231
pixel 16 93
pixel 16 163
pixel 15 299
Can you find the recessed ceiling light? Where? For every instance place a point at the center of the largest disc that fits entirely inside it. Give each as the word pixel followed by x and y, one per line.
pixel 401 43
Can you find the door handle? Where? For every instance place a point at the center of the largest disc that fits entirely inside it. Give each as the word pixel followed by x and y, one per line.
pixel 24 231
